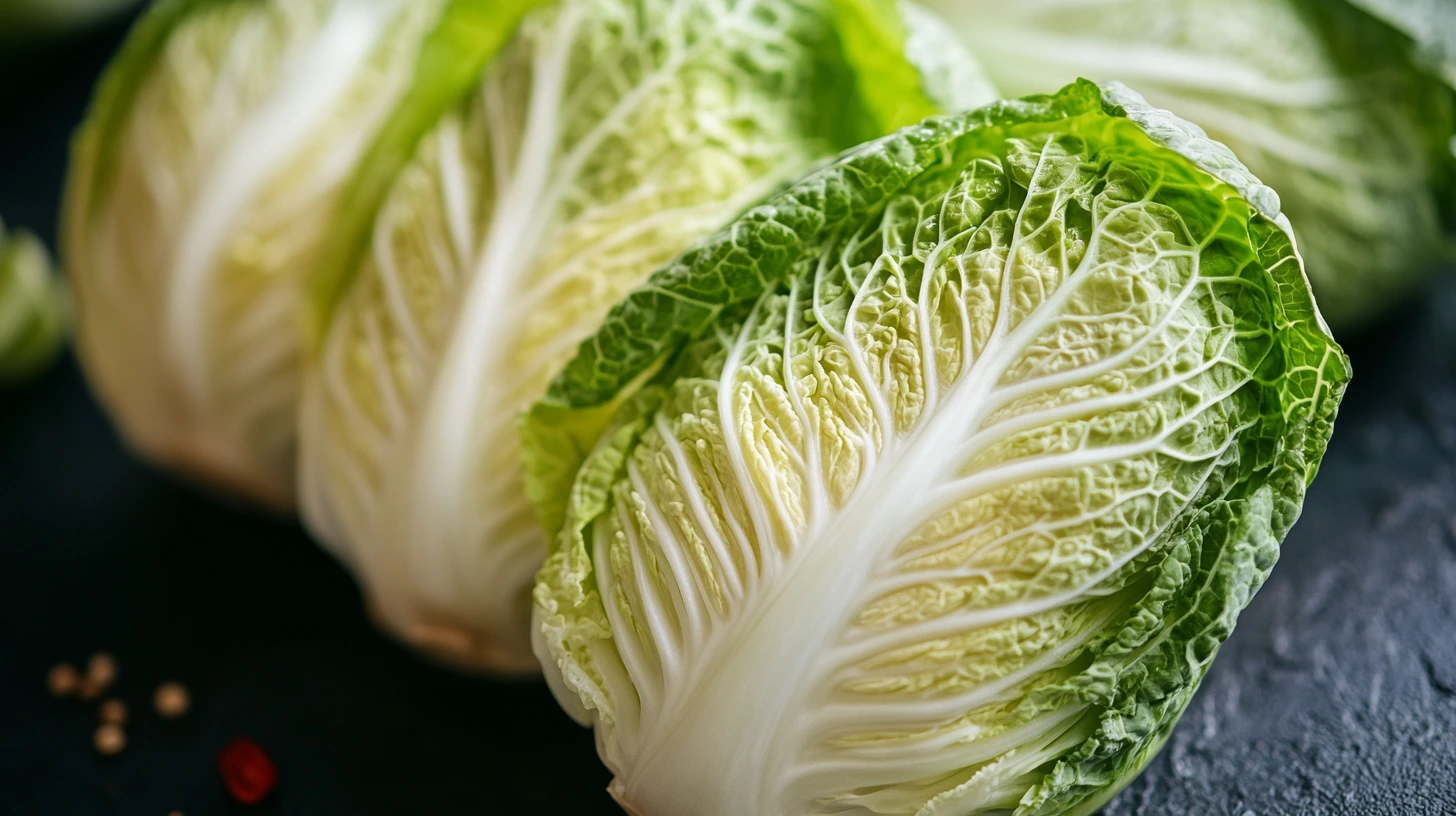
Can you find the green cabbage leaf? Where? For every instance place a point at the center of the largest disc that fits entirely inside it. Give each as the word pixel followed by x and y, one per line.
pixel 1324 102
pixel 607 137
pixel 933 484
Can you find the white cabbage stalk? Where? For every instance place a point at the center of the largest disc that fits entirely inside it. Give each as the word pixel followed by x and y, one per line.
pixel 1325 103
pixel 607 137
pixel 939 478
pixel 202 190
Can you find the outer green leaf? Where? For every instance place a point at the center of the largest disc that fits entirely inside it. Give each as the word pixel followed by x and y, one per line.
pixel 469 35
pixel 874 37
pixel 940 477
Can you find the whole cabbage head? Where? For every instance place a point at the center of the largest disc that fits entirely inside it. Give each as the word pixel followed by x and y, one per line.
pixel 608 136
pixel 1324 102
pixel 937 479
pixel 204 187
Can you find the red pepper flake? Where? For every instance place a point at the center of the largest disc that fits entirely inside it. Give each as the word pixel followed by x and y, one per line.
pixel 247 771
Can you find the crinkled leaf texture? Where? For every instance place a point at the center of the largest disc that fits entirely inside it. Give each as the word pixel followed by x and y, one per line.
pixel 202 187
pixel 605 139
pixel 1321 100
pixel 960 459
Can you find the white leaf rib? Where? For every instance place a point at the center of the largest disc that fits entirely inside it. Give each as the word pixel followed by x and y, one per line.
pixel 763 530
pixel 725 568
pixel 851 770
pixel 456 197
pixel 643 668
pixel 381 371
pixel 818 494
pixel 865 647
pixel 392 287
pixel 679 581
pixel 1040 466
pixel 845 340
pixel 342 402
pixel 689 586
pixel 649 611
pixel 854 713
pixel 1003 395
pixel 1065 412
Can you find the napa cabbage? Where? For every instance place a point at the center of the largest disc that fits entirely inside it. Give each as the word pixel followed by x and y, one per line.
pixel 206 185
pixel 933 484
pixel 606 137
pixel 1342 114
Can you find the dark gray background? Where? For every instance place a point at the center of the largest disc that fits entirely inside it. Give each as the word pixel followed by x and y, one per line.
pixel 1336 696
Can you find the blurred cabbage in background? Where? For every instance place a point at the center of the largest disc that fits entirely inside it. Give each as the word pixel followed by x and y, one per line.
pixel 29 21
pixel 34 309
pixel 1346 117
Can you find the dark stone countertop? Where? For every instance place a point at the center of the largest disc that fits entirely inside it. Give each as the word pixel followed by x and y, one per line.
pixel 1335 697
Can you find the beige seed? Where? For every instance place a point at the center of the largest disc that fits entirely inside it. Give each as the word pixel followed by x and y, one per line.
pixel 63 680
pixel 101 671
pixel 110 739
pixel 113 711
pixel 172 700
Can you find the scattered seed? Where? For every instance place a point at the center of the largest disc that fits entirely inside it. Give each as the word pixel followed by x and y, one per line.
pixel 63 680
pixel 110 739
pixel 172 700
pixel 113 711
pixel 101 670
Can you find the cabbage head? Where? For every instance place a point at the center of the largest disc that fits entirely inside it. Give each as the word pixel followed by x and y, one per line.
pixel 1325 103
pixel 33 307
pixel 204 187
pixel 938 478
pixel 608 136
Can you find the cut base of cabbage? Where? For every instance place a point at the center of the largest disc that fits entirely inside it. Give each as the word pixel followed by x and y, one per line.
pixel 457 646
